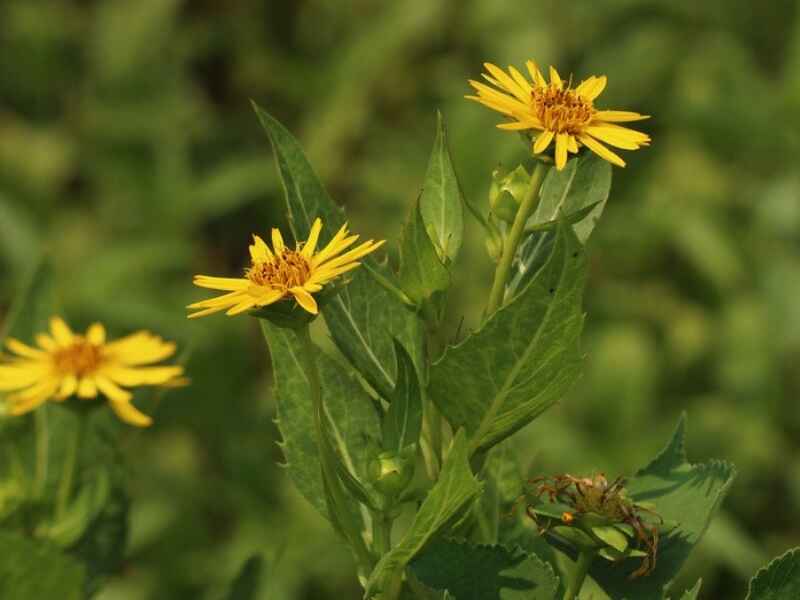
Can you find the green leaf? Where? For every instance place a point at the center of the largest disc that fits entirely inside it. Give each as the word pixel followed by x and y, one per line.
pixel 364 319
pixel 692 593
pixel 33 570
pixel 403 421
pixel 523 359
pixel 421 271
pixel 779 580
pixel 247 582
pixel 441 199
pixel 689 494
pixel 449 497
pixel 352 420
pixel 612 536
pixel 484 572
pixel 568 194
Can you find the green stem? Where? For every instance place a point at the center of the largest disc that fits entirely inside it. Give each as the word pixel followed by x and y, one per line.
pixel 525 210
pixel 339 502
pixel 70 464
pixel 578 574
pixel 381 533
pixel 42 441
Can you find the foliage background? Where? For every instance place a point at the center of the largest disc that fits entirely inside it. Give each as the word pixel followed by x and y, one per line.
pixel 130 154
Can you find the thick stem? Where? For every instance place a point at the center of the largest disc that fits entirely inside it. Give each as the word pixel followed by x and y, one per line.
pixel 42 442
pixel 327 461
pixel 381 533
pixel 525 210
pixel 578 574
pixel 70 463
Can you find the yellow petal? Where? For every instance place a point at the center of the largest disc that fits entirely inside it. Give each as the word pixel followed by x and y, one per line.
pixel 521 81
pixel 536 74
pixel 593 87
pixel 45 342
pixel 627 139
pixel 339 242
pixel 23 349
pixel 277 241
pixel 224 300
pixel 225 284
pixel 542 141
pixel 618 116
pixel 96 334
pixel 87 388
pixel 519 125
pixel 259 251
pixel 34 396
pixel 206 312
pixel 507 82
pixel 325 274
pixel 22 374
pixel 61 331
pixel 130 377
pixel 561 150
pixel 128 413
pixel 555 78
pixel 68 387
pixel 572 144
pixel 313 236
pixel 305 299
pixel 354 254
pixel 601 150
pixel 243 306
pixel 139 348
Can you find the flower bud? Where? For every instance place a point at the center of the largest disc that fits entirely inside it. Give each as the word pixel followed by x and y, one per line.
pixel 391 472
pixel 494 240
pixel 507 191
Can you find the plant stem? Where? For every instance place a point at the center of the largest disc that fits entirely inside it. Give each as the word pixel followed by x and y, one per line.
pixel 381 533
pixel 503 270
pixel 42 442
pixel 339 501
pixel 70 464
pixel 578 574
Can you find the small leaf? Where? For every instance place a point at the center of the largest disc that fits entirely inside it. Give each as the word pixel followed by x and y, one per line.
pixel 364 319
pixel 403 420
pixel 523 359
pixel 577 194
pixel 612 536
pixel 352 419
pixel 484 572
pixel 689 494
pixel 33 570
pixel 247 582
pixel 692 593
pixel 441 199
pixel 779 580
pixel 421 271
pixel 450 495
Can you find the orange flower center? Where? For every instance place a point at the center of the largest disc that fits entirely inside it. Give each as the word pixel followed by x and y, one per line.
pixel 288 269
pixel 561 111
pixel 80 358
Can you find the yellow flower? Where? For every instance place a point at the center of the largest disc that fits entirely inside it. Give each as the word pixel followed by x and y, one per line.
pixel 558 111
pixel 66 364
pixel 283 273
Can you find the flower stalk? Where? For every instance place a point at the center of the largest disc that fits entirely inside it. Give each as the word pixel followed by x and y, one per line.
pixel 338 501
pixel 578 575
pixel 65 484
pixel 526 208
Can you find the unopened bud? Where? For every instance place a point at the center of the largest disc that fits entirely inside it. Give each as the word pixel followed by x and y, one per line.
pixel 391 473
pixel 507 191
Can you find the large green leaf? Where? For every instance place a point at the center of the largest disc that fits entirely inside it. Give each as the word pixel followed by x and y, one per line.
pixel 421 271
pixel 34 570
pixel 484 572
pixel 450 495
pixel 441 199
pixel 682 492
pixel 523 359
pixel 779 580
pixel 352 419
pixel 403 421
pixel 363 318
pixel 578 194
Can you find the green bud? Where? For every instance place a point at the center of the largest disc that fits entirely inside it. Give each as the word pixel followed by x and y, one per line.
pixel 507 191
pixel 391 472
pixel 494 240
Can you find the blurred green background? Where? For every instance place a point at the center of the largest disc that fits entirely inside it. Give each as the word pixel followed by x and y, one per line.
pixel 129 152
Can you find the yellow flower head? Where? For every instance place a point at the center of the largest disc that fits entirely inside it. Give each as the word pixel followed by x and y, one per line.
pixel 283 273
pixel 556 110
pixel 65 364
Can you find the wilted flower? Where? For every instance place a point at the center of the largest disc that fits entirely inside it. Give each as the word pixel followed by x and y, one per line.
pixel 557 111
pixel 67 364
pixel 282 273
